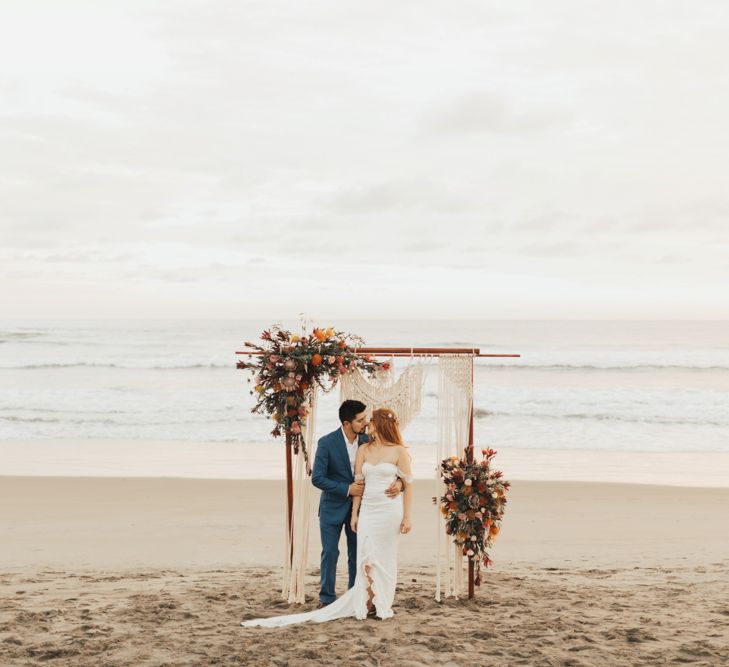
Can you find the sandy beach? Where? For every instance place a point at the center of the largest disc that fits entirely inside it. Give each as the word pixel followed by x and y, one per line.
pixel 160 571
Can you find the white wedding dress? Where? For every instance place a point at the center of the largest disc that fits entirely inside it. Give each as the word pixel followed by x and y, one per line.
pixel 378 530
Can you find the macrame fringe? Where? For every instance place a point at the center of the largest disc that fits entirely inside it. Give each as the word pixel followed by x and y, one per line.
pixel 295 568
pixel 404 395
pixel 455 397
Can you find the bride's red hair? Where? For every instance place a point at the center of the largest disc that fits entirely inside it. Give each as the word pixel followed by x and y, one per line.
pixel 387 425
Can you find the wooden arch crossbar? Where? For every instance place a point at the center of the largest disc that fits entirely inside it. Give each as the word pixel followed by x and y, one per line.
pixel 473 352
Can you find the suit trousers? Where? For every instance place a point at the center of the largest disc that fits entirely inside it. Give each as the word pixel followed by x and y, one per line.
pixel 330 533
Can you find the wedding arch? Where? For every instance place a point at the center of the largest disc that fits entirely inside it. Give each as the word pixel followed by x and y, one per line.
pixel 291 369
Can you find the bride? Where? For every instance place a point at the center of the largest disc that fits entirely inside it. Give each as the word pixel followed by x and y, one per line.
pixel 378 520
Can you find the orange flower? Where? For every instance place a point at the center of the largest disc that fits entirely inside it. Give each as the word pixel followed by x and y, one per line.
pixel 494 530
pixel 316 360
pixel 319 334
pixel 329 332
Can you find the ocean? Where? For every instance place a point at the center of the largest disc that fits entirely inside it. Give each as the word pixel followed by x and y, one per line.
pixel 585 387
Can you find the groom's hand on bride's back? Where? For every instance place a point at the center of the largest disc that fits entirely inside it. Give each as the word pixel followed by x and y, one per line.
pixel 356 488
pixel 393 491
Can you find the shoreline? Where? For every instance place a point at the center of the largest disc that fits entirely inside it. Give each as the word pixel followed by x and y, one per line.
pixel 149 459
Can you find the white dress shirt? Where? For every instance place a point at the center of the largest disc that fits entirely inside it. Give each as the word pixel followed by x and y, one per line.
pixel 351 448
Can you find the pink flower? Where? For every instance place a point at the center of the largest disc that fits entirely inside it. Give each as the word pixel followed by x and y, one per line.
pixel 331 360
pixel 274 358
pixel 461 516
pixel 296 427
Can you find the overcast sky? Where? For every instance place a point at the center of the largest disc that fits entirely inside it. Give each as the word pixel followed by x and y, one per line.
pixel 364 159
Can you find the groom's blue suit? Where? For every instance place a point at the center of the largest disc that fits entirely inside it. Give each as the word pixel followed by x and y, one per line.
pixel 333 474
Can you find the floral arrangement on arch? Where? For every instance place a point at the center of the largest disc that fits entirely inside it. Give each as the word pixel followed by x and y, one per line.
pixel 289 365
pixel 473 504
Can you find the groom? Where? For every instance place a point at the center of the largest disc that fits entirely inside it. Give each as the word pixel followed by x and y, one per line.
pixel 334 474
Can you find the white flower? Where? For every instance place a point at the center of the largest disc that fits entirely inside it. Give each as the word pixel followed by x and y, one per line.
pixel 468 482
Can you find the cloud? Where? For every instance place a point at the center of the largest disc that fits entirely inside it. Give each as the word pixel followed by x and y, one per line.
pixel 396 196
pixel 318 146
pixel 489 113
pixel 552 249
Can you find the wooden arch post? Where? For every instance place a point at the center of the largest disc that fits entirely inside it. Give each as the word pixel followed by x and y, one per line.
pixel 290 495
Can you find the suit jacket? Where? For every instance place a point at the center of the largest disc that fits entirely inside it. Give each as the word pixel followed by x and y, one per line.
pixel 332 473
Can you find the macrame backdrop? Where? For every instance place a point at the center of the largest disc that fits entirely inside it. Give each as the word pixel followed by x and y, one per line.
pixel 455 397
pixel 404 395
pixel 295 570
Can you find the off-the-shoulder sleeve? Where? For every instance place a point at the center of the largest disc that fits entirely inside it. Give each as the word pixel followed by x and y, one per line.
pixel 408 478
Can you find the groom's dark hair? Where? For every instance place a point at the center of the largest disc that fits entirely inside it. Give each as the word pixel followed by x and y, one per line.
pixel 350 409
